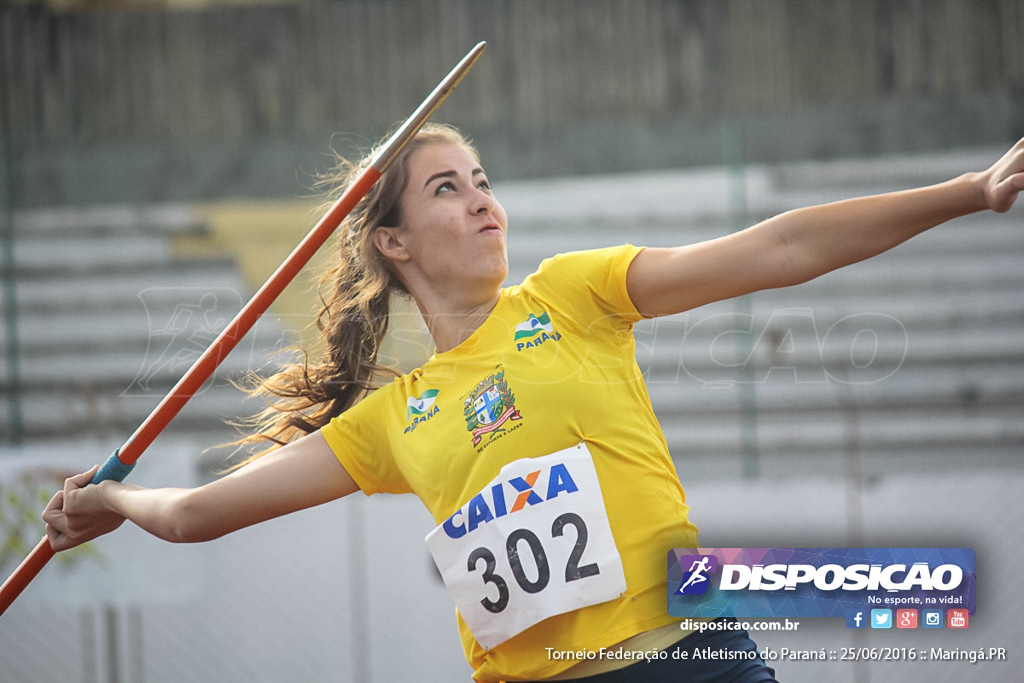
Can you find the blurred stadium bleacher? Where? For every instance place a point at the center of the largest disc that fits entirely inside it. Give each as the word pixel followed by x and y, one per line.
pixel 916 355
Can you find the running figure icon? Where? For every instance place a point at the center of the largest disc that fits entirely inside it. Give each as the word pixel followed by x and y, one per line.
pixel 697 570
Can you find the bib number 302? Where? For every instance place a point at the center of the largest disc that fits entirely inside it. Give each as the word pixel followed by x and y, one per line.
pixel 573 570
pixel 533 543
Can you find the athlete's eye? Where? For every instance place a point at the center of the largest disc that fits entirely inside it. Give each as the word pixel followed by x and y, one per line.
pixel 484 185
pixel 446 186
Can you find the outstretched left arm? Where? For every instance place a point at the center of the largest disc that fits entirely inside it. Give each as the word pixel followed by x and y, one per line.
pixel 802 244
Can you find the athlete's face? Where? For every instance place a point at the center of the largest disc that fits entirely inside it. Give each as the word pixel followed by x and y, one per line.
pixel 453 229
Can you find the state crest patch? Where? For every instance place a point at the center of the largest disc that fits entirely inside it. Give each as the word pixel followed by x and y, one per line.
pixel 489 406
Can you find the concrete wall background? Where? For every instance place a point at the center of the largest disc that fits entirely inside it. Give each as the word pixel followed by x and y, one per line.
pixel 153 105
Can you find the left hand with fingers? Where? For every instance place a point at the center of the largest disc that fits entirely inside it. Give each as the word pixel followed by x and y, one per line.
pixel 77 513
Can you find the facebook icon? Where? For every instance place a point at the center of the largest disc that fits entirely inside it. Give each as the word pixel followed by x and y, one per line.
pixel 856 618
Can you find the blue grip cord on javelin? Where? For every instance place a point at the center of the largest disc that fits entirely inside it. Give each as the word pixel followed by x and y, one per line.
pixel 112 469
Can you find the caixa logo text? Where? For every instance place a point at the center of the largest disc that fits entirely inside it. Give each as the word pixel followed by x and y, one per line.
pixel 830 577
pixel 507 497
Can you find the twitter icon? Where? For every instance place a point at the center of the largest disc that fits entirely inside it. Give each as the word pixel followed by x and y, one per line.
pixel 881 618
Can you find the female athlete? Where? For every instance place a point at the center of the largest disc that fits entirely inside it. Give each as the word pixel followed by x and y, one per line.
pixel 528 434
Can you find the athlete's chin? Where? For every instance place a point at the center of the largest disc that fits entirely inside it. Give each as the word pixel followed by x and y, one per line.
pixel 495 274
pixel 494 263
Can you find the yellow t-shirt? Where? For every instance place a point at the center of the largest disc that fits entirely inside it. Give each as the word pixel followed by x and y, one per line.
pixel 552 366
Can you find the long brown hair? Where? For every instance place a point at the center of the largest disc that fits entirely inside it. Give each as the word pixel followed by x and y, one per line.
pixel 355 293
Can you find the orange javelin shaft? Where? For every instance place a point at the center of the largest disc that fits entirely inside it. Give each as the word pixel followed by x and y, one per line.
pixel 120 463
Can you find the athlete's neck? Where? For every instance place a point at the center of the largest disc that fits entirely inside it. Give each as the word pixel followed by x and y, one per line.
pixel 451 323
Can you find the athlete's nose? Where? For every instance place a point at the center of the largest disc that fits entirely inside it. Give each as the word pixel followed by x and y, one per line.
pixel 483 203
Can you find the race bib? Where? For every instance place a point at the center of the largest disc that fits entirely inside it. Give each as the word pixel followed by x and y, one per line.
pixel 533 543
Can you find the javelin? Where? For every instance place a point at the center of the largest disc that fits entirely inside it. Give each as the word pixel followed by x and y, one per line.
pixel 121 461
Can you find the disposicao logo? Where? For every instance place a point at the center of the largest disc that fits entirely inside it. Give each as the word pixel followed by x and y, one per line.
pixel 838 582
pixel 696 579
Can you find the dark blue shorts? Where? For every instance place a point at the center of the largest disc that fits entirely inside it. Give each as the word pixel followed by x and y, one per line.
pixel 731 660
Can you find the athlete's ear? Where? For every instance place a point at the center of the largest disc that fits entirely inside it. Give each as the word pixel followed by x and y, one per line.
pixel 389 243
